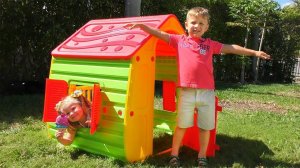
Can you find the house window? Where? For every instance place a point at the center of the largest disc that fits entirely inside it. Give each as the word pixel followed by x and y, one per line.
pixel 57 89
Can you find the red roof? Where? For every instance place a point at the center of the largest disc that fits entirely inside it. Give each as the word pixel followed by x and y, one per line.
pixel 107 38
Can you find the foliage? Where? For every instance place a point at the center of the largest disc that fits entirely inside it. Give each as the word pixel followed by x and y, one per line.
pixel 31 29
pixel 282 42
pixel 251 14
pixel 282 50
pixel 291 22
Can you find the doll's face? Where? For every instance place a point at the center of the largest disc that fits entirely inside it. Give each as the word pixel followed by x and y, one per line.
pixel 196 26
pixel 74 112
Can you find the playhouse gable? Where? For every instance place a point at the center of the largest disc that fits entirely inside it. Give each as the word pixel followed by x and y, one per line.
pixel 108 39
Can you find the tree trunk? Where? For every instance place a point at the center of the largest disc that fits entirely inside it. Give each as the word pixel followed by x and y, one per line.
pixel 242 80
pixel 254 59
pixel 259 49
pixel 132 8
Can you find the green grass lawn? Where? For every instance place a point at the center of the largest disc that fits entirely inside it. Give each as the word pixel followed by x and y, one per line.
pixel 259 126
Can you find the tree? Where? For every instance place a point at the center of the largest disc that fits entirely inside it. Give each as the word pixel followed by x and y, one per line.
pixel 290 16
pixel 267 7
pixel 132 8
pixel 31 29
pixel 249 14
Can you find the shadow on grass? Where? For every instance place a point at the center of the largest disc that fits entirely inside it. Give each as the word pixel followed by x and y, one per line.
pixel 247 152
pixel 234 151
pixel 21 99
pixel 224 86
pixel 76 153
pixel 16 107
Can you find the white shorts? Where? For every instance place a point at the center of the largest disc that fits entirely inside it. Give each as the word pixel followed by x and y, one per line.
pixel 201 99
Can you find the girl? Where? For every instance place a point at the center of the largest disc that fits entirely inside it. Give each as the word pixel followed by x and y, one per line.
pixel 77 109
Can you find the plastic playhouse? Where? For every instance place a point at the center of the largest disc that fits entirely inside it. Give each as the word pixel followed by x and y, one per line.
pixel 116 69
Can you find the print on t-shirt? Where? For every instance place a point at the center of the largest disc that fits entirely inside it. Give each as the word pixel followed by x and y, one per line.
pixel 203 49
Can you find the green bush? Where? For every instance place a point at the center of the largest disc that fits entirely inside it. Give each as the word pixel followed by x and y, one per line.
pixel 31 29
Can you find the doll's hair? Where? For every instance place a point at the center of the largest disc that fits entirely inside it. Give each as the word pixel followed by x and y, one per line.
pixel 198 11
pixel 77 98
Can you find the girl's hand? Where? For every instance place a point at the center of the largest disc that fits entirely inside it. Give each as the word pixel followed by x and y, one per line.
pixel 59 134
pixel 262 55
pixel 88 122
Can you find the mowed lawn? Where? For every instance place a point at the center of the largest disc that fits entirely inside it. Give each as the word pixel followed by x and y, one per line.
pixel 258 127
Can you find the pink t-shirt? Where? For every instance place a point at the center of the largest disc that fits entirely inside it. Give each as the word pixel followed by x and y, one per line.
pixel 195 62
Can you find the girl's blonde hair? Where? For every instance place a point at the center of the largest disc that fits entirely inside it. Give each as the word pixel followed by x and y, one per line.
pixel 77 98
pixel 198 11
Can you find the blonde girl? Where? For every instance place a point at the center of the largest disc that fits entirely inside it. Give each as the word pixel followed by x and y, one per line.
pixel 77 109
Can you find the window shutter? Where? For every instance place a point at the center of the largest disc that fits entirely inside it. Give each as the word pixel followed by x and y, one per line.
pixel 55 90
pixel 96 106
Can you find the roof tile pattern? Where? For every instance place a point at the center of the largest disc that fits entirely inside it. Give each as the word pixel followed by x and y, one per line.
pixel 108 38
